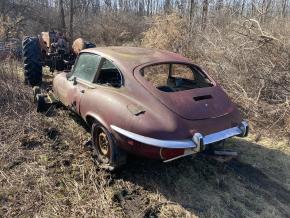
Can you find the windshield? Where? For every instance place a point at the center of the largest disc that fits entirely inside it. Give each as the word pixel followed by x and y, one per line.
pixel 173 77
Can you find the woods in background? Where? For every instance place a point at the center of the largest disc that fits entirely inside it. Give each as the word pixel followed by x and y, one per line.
pixel 245 44
pixel 78 17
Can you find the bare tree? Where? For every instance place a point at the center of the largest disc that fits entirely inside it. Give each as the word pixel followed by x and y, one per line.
pixel 141 7
pixel 167 6
pixel 191 10
pixel 242 8
pixel 148 7
pixel 108 3
pixel 253 8
pixel 204 14
pixel 71 17
pixel 96 7
pixel 219 5
pixel 265 8
pixel 284 7
pixel 62 25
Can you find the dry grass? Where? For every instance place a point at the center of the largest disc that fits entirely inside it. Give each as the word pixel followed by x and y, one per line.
pixel 251 62
pixel 46 170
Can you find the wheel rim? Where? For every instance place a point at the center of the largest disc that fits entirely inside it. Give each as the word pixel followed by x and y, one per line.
pixel 104 144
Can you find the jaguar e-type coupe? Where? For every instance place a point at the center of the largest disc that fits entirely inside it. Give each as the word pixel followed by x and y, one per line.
pixel 149 102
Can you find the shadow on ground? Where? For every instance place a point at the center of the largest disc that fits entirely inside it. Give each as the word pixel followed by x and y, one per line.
pixel 255 184
pixel 209 188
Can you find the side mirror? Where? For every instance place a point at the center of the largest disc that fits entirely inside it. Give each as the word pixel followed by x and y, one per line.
pixel 74 81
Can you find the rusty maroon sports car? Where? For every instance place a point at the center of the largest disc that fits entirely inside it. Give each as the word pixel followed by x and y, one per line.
pixel 149 102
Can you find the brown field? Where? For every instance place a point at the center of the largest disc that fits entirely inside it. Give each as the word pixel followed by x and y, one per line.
pixel 47 170
pixel 46 163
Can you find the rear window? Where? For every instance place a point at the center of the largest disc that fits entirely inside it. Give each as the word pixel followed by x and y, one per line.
pixel 175 77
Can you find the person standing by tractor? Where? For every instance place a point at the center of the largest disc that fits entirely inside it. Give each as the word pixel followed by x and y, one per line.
pixel 48 49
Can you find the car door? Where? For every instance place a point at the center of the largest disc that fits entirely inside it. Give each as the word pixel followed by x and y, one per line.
pixel 81 79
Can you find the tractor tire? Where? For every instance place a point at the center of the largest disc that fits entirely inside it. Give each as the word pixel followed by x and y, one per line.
pixel 32 61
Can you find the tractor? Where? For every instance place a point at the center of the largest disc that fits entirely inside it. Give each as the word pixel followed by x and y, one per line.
pixel 49 49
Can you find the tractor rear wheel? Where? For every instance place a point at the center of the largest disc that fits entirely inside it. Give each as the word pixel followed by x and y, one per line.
pixel 32 61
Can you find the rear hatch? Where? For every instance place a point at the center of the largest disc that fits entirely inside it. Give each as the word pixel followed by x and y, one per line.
pixel 191 104
pixel 196 104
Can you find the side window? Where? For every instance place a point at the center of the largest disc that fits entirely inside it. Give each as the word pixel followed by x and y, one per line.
pixel 109 75
pixel 86 66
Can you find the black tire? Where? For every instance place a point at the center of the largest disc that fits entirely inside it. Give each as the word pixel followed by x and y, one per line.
pixel 40 103
pixel 115 158
pixel 32 61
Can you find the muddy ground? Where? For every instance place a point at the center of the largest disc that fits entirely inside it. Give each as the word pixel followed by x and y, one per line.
pixel 47 170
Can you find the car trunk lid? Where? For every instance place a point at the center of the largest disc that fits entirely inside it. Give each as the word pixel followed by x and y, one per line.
pixel 195 104
pixel 200 103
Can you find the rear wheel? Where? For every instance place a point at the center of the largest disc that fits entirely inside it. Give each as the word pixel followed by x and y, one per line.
pixel 32 61
pixel 108 154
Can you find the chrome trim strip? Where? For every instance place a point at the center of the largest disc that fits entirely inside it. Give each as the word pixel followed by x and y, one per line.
pixel 186 143
pixel 187 152
pixel 184 155
pixel 224 134
pixel 194 142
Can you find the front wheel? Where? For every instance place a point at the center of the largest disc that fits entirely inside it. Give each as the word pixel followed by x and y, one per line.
pixel 108 154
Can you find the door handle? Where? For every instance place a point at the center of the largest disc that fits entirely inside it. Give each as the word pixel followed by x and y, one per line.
pixel 82 91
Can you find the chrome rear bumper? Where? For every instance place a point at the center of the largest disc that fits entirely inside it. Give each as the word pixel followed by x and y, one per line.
pixel 240 130
pixel 198 142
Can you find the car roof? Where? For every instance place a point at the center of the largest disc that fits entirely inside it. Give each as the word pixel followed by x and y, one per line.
pixel 128 58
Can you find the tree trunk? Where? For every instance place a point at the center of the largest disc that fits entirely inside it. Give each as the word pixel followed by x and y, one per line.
pixel 191 10
pixel 148 8
pixel 141 8
pixel 219 5
pixel 121 5
pixel 243 7
pixel 96 7
pixel 2 10
pixel 253 8
pixel 108 4
pixel 167 6
pixel 62 17
pixel 204 14
pixel 284 8
pixel 71 17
